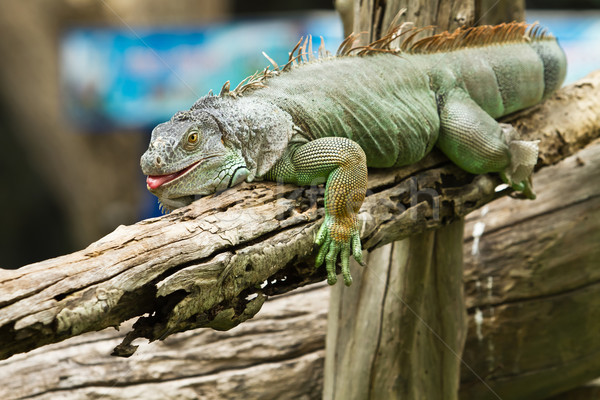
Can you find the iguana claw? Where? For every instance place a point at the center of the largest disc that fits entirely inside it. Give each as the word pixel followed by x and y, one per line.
pixel 524 187
pixel 330 249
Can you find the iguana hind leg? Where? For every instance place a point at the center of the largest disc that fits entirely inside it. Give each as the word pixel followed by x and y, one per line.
pixel 341 163
pixel 476 142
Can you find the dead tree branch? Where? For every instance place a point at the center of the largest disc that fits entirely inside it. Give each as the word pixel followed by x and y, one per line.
pixel 531 282
pixel 214 263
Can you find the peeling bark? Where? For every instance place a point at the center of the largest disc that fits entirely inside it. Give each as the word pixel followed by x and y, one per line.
pixel 278 354
pixel 537 333
pixel 199 266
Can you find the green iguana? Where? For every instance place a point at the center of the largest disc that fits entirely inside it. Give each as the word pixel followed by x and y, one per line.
pixel 327 119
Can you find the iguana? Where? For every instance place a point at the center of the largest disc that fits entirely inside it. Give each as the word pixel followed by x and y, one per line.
pixel 327 119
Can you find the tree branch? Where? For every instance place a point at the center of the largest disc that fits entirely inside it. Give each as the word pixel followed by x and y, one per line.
pixel 214 263
pixel 532 284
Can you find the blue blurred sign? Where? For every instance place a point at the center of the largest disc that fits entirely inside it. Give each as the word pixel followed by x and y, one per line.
pixel 136 78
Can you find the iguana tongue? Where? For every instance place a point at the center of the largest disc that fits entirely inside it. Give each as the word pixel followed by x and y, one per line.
pixel 155 181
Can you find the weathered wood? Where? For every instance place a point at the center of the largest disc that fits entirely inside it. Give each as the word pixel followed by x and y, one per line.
pixel 394 309
pixel 279 353
pixel 533 287
pixel 197 266
pixel 276 355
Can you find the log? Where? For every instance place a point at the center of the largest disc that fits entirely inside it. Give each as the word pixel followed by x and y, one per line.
pixel 214 263
pixel 533 286
pixel 395 308
pixel 279 353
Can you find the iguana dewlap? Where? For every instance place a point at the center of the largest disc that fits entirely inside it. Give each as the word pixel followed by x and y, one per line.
pixel 326 120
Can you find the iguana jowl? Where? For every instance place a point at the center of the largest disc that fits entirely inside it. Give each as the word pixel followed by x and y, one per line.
pixel 326 120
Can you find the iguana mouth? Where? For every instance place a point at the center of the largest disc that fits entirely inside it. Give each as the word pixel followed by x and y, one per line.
pixel 156 181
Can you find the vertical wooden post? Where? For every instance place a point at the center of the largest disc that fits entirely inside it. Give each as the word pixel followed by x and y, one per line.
pixel 399 331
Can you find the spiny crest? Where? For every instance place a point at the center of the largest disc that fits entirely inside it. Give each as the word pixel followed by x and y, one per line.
pixel 406 33
pixel 301 53
pixel 181 116
pixel 514 32
pixel 382 45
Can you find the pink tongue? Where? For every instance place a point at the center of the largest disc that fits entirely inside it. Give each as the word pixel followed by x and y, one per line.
pixel 155 181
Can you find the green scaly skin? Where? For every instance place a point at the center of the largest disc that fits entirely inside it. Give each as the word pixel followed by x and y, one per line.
pixel 341 163
pixel 325 121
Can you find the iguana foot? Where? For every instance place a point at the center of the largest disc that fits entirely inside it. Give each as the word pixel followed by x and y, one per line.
pixel 523 157
pixel 337 238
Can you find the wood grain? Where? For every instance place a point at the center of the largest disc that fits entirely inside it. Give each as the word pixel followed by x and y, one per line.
pixel 534 283
pixel 200 265
pixel 536 343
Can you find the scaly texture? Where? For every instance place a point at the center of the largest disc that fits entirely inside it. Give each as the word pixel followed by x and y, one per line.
pixel 326 119
pixel 342 164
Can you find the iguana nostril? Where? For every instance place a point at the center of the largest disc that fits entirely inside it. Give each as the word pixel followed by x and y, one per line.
pixel 158 160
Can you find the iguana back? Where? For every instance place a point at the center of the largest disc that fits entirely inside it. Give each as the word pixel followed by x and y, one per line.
pixel 382 102
pixel 388 101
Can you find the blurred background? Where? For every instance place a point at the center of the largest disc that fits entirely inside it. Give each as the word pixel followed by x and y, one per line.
pixel 83 82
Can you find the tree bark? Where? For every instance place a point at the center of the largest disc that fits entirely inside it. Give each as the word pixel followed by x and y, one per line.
pixel 200 266
pixel 276 355
pixel 536 331
pixel 399 343
pixel 533 287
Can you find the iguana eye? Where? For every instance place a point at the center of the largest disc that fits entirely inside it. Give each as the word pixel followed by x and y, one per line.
pixel 193 137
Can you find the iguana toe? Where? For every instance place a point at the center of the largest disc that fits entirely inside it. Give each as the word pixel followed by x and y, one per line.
pixel 331 249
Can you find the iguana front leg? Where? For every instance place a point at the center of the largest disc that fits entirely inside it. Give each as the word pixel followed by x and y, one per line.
pixel 341 163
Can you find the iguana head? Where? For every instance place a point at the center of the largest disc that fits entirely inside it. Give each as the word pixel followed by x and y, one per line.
pixel 189 156
pixel 220 142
